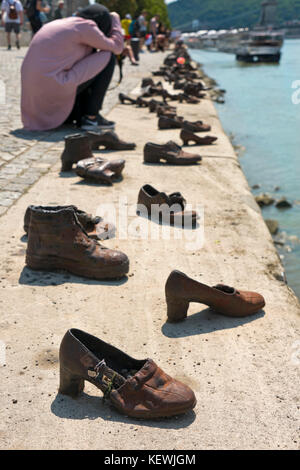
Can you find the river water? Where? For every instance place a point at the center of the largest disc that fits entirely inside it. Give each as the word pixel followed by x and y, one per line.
pixel 260 116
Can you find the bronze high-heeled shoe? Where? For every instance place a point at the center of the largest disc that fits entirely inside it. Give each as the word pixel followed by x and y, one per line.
pixel 188 136
pixel 181 290
pixel 136 388
pixel 123 98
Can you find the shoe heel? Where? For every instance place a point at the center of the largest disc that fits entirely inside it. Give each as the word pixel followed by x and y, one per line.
pixel 177 310
pixel 66 165
pixel 186 142
pixel 70 384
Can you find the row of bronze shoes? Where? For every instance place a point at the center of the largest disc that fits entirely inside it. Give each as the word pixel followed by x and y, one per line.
pixel 67 238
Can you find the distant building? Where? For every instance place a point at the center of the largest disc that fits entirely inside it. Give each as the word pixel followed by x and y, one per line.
pixel 268 16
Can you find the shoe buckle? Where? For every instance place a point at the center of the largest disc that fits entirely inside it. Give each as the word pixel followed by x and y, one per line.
pixel 96 371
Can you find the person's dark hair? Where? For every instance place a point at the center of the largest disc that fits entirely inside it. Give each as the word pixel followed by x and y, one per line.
pixel 98 13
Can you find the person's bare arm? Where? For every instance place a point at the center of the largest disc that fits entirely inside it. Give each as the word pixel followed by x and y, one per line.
pixel 39 6
pixel 21 17
pixel 2 17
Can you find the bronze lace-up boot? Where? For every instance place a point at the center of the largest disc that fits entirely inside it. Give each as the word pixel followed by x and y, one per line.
pixel 181 290
pixel 57 240
pixel 77 147
pixel 96 227
pixel 136 388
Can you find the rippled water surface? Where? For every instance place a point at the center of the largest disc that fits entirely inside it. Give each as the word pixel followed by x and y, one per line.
pixel 261 116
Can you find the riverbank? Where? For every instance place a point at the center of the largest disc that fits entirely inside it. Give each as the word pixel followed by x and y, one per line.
pixel 244 371
pixel 267 140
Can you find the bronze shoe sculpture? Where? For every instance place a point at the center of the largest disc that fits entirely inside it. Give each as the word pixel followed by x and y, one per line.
pixel 100 170
pixel 187 136
pixel 77 147
pixel 181 290
pixel 95 227
pixel 136 388
pixel 188 98
pixel 170 152
pixel 165 208
pixel 57 240
pixel 163 111
pixel 196 126
pixel 167 122
pixel 141 102
pixel 109 140
pixel 123 98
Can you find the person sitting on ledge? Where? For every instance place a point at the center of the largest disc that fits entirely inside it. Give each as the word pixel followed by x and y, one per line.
pixel 68 68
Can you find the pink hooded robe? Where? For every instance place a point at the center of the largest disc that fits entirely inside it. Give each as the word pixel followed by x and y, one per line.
pixel 58 60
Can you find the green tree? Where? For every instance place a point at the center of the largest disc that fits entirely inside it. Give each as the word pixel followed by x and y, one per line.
pixel 120 6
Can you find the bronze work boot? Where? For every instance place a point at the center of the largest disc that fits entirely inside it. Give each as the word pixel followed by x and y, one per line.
pixel 136 388
pixel 171 152
pixel 187 136
pixel 100 170
pixel 161 111
pixel 163 208
pixel 96 227
pixel 57 240
pixel 77 147
pixel 196 126
pixel 109 140
pixel 181 290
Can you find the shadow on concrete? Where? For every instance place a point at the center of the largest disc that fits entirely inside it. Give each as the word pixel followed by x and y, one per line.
pixel 204 322
pixel 159 221
pixel 46 136
pixel 55 278
pixel 92 407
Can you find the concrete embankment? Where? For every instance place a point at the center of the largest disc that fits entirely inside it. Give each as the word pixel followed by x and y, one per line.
pixel 245 372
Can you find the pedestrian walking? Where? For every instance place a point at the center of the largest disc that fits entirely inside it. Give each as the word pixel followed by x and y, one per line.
pixel 12 19
pixel 34 10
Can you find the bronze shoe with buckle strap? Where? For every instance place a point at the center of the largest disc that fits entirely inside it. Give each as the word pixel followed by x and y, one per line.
pixel 181 290
pixel 136 388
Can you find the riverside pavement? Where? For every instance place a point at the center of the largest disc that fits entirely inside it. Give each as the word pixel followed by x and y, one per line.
pixel 245 372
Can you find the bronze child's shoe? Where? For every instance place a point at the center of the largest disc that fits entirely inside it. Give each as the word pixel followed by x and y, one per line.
pixel 109 140
pixel 188 136
pixel 100 170
pixel 123 98
pixel 160 207
pixel 171 152
pixel 136 388
pixel 57 240
pixel 181 290
pixel 77 147
pixel 96 227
